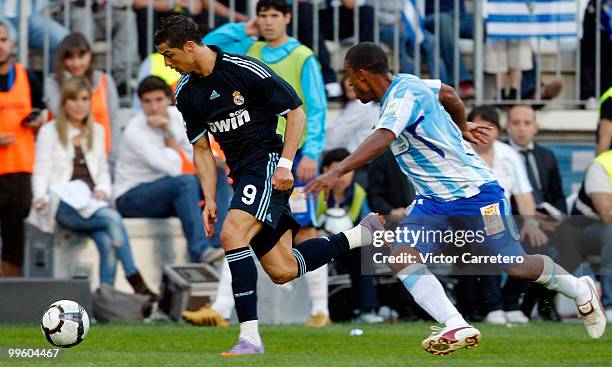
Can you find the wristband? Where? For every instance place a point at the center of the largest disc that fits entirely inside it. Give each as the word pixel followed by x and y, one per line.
pixel 532 222
pixel 285 163
pixel 168 134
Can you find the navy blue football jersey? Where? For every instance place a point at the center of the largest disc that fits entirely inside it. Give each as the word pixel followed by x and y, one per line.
pixel 239 104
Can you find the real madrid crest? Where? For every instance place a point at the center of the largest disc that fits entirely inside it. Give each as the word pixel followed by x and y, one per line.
pixel 238 99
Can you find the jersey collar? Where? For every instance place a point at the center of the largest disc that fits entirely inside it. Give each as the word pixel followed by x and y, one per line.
pixel 393 82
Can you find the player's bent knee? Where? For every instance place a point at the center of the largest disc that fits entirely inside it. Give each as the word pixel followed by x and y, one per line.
pixel 282 277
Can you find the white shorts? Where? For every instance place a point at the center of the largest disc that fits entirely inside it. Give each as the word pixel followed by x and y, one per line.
pixel 503 55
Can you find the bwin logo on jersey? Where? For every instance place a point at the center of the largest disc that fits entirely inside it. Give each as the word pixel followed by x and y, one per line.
pixel 236 120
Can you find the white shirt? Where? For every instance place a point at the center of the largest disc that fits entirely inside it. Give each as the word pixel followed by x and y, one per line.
pixel 352 126
pixel 597 180
pixel 510 170
pixel 144 157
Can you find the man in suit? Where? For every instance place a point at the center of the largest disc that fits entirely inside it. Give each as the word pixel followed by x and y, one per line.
pixel 543 172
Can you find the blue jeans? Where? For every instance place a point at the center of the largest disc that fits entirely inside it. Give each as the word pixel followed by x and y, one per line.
pixel 106 228
pixel 224 197
pixel 36 33
pixel 447 49
pixel 167 197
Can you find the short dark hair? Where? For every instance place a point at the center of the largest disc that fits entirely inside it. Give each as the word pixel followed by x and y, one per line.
pixel 176 30
pixel 153 83
pixel 488 113
pixel 334 155
pixel 280 5
pixel 367 56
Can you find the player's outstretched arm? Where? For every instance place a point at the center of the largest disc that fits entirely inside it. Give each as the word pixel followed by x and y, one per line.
pixel 373 146
pixel 206 169
pixel 283 178
pixel 474 133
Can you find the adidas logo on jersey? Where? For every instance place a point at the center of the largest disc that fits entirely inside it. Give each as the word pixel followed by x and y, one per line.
pixel 269 217
pixel 236 120
pixel 214 95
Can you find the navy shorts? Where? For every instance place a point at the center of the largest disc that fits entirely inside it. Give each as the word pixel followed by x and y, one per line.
pixel 254 194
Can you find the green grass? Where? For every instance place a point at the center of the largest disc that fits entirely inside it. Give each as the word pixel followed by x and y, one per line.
pixel 536 345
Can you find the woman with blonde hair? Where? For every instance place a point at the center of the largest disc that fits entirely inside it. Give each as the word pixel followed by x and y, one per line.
pixel 72 148
pixel 75 59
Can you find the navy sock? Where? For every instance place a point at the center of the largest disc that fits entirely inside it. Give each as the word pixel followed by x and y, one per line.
pixel 244 282
pixel 316 252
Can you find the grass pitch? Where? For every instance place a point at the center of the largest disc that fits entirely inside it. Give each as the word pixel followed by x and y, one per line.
pixel 538 344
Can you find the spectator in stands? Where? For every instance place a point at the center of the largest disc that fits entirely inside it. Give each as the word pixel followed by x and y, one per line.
pixel 296 64
pixel 595 204
pixel 155 65
pixel 20 105
pixel 543 173
pixel 507 165
pixel 389 191
pixel 588 59
pixel 350 197
pixel 447 43
pixel 353 124
pixel 540 162
pixel 75 58
pixel 507 58
pixel 91 22
pixel 604 128
pixel 389 11
pixel 72 148
pixel 155 176
pixel 37 23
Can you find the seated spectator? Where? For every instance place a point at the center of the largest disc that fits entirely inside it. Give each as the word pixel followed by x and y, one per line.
pixel 155 176
pixel 389 11
pixel 594 203
pixel 20 105
pixel 588 59
pixel 155 65
pixel 510 171
pixel 91 22
pixel 543 173
pixel 72 148
pixel 37 23
pixel 389 190
pixel 350 197
pixel 75 58
pixel 604 128
pixel 353 124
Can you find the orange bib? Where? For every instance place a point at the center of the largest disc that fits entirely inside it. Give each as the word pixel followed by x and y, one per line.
pixel 99 110
pixel 15 106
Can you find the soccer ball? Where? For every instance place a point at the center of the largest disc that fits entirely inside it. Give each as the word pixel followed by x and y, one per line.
pixel 65 324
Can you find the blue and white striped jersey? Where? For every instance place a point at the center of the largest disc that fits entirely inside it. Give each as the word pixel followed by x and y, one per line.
pixel 429 146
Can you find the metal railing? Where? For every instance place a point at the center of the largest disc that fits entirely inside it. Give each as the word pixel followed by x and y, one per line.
pixel 480 82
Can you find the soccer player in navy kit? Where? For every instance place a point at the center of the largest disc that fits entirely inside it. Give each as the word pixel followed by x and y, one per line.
pixel 238 100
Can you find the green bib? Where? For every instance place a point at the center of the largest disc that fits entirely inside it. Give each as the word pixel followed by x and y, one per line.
pixel 605 159
pixel 604 96
pixel 290 69
pixel 359 197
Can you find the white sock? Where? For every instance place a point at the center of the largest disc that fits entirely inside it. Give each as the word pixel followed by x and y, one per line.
pixel 249 330
pixel 358 236
pixel 428 293
pixel 555 278
pixel 317 289
pixel 224 302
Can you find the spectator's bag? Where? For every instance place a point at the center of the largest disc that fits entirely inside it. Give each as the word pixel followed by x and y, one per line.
pixel 111 305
